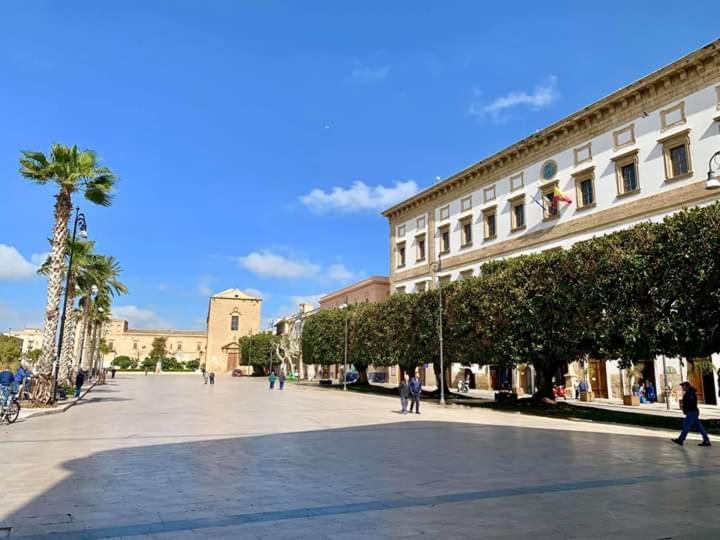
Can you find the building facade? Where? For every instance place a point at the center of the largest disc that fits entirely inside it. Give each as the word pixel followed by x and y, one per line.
pixel 638 154
pixel 372 289
pixel 232 314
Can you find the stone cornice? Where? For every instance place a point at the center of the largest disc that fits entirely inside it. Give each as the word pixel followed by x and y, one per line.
pixel 373 280
pixel 646 94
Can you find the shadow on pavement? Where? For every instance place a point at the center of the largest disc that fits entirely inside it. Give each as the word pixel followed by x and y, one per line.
pixel 391 479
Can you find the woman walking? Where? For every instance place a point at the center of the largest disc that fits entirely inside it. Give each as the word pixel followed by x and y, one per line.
pixel 272 380
pixel 404 394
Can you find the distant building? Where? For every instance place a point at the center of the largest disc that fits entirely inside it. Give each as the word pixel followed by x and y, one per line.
pixel 231 315
pixel 372 289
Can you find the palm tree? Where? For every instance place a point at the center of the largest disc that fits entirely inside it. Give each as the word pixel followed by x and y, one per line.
pixel 80 276
pixel 73 170
pixel 102 283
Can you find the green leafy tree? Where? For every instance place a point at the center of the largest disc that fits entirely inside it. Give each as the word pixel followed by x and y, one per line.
pixel 34 355
pixel 124 362
pixel 192 364
pixel 148 363
pixel 259 351
pixel 323 338
pixel 170 364
pixel 72 170
pixel 10 352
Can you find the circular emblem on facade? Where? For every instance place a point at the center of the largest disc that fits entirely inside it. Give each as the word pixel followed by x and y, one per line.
pixel 549 170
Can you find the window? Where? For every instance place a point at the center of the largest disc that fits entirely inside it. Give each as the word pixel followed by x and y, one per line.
pixel 444 233
pixel 421 286
pixel 517 212
pixel 489 220
pixel 445 212
pixel 466 232
pixel 400 290
pixel 466 274
pixel 585 188
pixel 516 182
pixel 420 245
pixel 624 137
pixel 420 222
pixel 550 205
pixel 401 231
pixel 583 153
pixel 626 171
pixel 199 347
pixel 179 346
pixel 401 255
pixel 489 194
pixel 674 116
pixel 717 89
pixel 466 203
pixel 676 150
pixel 111 346
pixel 234 321
pixel 445 280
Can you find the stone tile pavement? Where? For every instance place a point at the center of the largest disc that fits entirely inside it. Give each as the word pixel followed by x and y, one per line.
pixel 168 457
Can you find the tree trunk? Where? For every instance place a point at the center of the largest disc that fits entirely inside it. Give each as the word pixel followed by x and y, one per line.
pixel 362 375
pixel 87 353
pixel 81 349
pixel 68 345
pixel 63 208
pixel 436 370
pixel 544 383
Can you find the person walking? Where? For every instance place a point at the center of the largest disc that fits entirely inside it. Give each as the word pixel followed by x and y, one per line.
pixel 415 391
pixel 692 416
pixel 112 372
pixel 272 380
pixel 79 381
pixel 281 379
pixel 205 376
pixel 212 377
pixel 404 394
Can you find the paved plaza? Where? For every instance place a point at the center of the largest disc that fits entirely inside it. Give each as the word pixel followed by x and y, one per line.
pixel 164 456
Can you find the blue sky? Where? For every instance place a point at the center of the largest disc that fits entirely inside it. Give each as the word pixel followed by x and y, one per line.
pixel 257 142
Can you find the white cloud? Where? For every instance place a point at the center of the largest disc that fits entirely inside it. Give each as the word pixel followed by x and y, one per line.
pixel 257 293
pixel 139 318
pixel 267 264
pixel 338 272
pixel 203 287
pixel 15 267
pixel 543 95
pixel 367 74
pixel 359 197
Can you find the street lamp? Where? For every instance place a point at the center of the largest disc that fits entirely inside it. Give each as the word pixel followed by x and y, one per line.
pixel 345 306
pixel 713 175
pixel 436 267
pixel 79 225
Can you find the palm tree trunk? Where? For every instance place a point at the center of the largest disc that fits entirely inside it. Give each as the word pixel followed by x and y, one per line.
pixel 83 333
pixel 63 208
pixel 68 346
pixel 88 344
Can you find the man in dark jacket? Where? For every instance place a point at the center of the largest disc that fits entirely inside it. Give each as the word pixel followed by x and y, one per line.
pixel 692 416
pixel 79 381
pixel 415 391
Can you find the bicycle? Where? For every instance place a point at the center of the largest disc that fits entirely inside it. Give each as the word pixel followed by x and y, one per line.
pixel 9 411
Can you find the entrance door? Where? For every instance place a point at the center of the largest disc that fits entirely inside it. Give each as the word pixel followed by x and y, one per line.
pixel 598 378
pixel 232 360
pixel 709 390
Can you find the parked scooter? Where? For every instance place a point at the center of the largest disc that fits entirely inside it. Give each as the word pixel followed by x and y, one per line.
pixel 559 392
pixel 463 387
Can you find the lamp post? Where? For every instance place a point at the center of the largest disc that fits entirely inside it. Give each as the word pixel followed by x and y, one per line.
pixel 436 267
pixel 713 175
pixel 81 225
pixel 345 307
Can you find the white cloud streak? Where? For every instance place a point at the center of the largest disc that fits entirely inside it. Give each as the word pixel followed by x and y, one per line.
pixel 367 74
pixel 139 318
pixel 15 267
pixel 359 197
pixel 543 95
pixel 267 264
